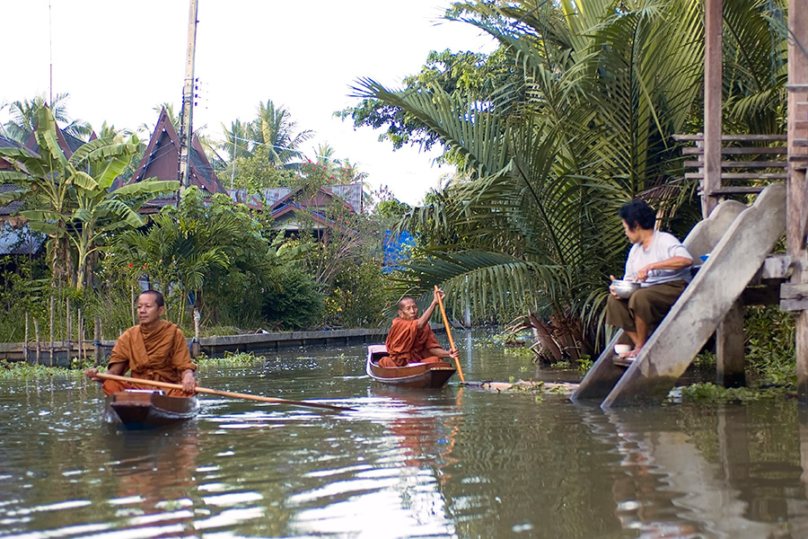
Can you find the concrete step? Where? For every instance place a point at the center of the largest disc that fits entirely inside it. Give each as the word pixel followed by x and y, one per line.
pixel 733 263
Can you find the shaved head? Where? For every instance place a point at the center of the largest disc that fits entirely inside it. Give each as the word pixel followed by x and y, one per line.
pixel 403 301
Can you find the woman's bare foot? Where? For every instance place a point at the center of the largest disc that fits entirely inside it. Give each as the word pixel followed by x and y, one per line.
pixel 631 354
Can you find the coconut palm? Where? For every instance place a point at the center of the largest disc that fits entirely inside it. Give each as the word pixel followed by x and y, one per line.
pixel 275 129
pixel 24 117
pixel 534 225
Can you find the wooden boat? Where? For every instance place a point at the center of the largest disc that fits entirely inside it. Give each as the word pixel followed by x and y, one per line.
pixel 145 408
pixel 414 375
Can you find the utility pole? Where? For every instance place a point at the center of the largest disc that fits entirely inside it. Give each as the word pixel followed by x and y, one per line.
pixel 186 126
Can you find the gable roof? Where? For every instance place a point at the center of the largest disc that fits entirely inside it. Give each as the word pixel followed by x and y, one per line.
pixel 162 155
pixel 6 142
pixel 67 142
pixel 276 196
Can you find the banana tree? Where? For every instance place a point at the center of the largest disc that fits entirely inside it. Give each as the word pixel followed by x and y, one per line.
pixel 68 199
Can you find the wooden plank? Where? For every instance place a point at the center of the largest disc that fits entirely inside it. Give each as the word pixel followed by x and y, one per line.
pixel 735 138
pixel 753 150
pixel 738 190
pixel 740 164
pixel 730 344
pixel 741 175
pixel 776 267
pixel 704 303
pixel 794 297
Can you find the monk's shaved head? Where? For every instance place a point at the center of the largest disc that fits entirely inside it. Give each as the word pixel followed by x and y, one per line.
pixel 404 301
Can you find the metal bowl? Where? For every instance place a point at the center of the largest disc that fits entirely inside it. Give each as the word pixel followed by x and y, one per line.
pixel 624 289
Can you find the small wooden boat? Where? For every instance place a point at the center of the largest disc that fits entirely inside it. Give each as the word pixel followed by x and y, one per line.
pixel 145 408
pixel 414 375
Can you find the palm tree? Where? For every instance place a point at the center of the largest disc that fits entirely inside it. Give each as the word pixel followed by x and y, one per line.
pixel 533 227
pixel 274 129
pixel 24 117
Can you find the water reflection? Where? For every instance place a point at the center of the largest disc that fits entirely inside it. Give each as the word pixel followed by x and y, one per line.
pixel 446 464
pixel 688 482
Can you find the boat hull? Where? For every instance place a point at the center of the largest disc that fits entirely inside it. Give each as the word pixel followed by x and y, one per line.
pixel 145 409
pixel 414 375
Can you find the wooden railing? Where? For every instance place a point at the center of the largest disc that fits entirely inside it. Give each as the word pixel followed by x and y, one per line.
pixel 749 158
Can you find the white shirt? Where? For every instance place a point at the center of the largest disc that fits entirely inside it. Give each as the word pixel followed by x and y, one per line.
pixel 663 247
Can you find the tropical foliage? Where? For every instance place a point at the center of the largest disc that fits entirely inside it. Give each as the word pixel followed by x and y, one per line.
pixel 24 117
pixel 545 161
pixel 69 199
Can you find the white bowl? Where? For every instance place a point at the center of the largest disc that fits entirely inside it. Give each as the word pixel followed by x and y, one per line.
pixel 622 348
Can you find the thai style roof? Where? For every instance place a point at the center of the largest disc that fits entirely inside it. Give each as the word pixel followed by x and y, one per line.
pixel 274 196
pixel 161 160
pixel 285 204
pixel 67 142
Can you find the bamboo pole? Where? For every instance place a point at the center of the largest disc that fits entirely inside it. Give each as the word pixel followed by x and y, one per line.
pixel 25 343
pixel 68 329
pixel 97 340
pixel 82 345
pixel 38 347
pixel 230 394
pixel 51 329
pixel 132 303
pixel 449 334
pixel 195 346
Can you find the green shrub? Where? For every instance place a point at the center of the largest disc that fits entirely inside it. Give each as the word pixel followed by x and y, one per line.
pixel 292 301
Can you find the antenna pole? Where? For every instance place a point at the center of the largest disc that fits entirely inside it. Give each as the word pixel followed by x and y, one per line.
pixel 186 127
pixel 50 47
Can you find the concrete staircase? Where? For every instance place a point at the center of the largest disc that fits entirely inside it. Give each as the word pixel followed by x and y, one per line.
pixel 738 238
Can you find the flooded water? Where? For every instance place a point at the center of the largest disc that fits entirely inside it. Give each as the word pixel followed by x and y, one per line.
pixel 455 463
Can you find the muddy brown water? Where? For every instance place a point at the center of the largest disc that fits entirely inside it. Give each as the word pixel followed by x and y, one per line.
pixel 455 463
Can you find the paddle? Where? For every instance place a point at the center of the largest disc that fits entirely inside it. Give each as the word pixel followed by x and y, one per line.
pixel 449 333
pixel 221 393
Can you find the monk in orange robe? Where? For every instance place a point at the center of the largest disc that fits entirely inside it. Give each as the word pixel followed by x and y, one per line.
pixel 411 339
pixel 153 350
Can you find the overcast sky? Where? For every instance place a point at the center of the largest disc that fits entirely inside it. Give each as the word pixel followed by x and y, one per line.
pixel 117 60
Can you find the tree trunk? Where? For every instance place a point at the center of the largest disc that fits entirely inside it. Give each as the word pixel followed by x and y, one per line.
pixel 545 337
pixel 565 337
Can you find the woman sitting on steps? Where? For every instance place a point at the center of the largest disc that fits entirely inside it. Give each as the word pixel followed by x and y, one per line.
pixel 657 260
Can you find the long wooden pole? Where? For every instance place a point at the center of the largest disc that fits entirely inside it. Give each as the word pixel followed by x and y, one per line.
pixel 230 394
pixel 449 333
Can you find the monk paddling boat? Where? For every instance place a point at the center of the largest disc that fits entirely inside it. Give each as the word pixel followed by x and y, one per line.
pixel 414 375
pixel 145 408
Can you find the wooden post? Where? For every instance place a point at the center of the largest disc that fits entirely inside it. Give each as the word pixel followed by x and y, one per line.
pixel 713 83
pixel 51 329
pixel 82 351
pixel 36 335
pixel 68 330
pixel 195 346
pixel 796 211
pixel 134 320
pixel 730 344
pixel 97 340
pixel 25 343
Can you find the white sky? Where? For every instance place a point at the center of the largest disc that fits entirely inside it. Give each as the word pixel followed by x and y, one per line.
pixel 117 60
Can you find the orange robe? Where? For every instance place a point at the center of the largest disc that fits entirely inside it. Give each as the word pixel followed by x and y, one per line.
pixel 407 344
pixel 159 354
